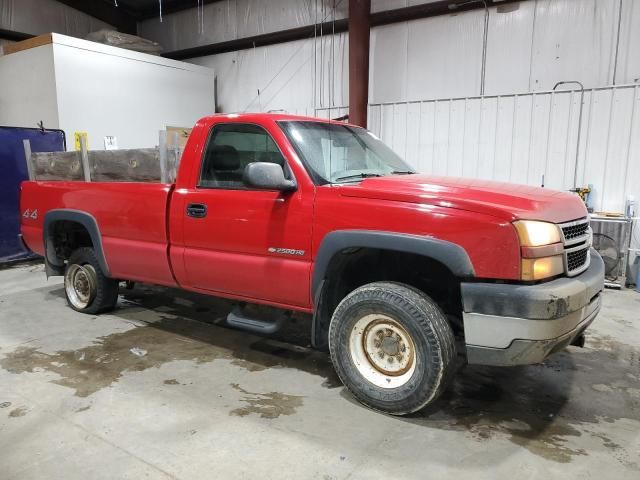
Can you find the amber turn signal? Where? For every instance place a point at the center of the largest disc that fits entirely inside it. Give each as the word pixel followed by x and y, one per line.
pixel 541 268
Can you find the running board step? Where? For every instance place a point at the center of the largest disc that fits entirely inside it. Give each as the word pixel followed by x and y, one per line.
pixel 240 318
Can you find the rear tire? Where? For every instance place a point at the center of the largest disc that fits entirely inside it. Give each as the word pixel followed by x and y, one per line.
pixel 86 287
pixel 392 347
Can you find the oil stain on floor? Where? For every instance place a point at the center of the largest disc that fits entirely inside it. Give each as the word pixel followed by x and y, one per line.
pixel 92 368
pixel 267 405
pixel 542 407
pixel 184 331
pixel 18 412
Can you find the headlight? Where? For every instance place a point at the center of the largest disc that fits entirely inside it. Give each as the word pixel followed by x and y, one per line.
pixel 535 234
pixel 541 247
pixel 540 268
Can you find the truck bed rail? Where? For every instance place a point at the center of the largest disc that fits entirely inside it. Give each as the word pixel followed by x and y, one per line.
pixel 159 164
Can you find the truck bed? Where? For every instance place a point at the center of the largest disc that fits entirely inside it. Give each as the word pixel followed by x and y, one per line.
pixel 131 216
pixel 129 165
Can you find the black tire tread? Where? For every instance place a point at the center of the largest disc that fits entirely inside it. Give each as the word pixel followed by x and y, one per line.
pixel 430 318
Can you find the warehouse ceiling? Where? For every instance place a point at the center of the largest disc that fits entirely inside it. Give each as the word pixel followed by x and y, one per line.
pixel 143 9
pixel 123 14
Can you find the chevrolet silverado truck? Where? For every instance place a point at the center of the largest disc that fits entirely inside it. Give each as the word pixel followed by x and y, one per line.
pixel 403 274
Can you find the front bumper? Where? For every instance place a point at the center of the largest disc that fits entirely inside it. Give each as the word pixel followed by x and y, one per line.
pixel 523 324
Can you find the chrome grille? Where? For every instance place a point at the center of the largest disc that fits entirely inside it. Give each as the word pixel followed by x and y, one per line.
pixel 576 237
pixel 574 231
pixel 577 259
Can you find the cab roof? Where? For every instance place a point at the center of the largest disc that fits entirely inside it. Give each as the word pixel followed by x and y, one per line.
pixel 261 117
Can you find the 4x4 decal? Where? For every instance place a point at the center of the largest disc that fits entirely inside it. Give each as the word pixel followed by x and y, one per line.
pixel 32 214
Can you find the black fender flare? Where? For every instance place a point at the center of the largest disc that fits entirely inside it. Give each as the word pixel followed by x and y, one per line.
pixel 52 263
pixel 451 255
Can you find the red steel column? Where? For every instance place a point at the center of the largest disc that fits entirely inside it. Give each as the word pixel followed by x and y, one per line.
pixel 359 29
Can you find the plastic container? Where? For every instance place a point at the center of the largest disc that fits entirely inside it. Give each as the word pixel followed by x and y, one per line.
pixel 630 210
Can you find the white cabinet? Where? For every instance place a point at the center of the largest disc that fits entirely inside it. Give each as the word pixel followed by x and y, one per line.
pixel 77 85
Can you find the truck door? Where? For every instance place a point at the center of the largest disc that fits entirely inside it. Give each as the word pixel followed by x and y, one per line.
pixel 241 241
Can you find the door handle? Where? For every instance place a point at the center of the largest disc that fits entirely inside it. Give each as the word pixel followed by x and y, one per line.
pixel 197 210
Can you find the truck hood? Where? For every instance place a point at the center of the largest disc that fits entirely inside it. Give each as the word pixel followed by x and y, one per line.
pixel 504 200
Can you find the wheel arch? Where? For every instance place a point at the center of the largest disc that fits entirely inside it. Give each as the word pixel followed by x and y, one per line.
pixel 451 256
pixel 54 264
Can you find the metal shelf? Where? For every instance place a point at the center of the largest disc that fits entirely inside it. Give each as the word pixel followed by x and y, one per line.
pixel 623 244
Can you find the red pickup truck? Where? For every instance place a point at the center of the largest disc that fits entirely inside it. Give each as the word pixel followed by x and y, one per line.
pixel 402 272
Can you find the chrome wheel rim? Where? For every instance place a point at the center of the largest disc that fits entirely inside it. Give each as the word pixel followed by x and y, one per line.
pixel 382 350
pixel 80 285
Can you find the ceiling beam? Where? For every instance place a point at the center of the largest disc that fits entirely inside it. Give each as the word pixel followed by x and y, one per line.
pixel 433 9
pixel 119 17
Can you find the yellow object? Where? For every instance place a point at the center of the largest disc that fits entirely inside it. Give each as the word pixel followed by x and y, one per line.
pixel 535 234
pixel 540 268
pixel 76 137
pixel 582 192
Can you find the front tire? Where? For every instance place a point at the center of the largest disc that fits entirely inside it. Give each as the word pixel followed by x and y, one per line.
pixel 392 347
pixel 86 287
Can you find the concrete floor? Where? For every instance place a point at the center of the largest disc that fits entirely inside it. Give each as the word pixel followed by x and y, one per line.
pixel 157 389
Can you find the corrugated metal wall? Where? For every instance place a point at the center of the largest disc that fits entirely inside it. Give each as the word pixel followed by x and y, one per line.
pixel 43 16
pixel 428 77
pixel 530 46
pixel 283 76
pixel 522 137
pixel 231 19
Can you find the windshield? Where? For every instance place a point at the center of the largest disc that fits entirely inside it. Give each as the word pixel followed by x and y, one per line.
pixel 338 153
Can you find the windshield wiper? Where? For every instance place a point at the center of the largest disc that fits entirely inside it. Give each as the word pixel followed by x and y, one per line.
pixel 358 175
pixel 402 172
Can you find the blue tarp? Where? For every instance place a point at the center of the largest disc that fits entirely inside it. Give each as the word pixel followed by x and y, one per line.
pixel 13 170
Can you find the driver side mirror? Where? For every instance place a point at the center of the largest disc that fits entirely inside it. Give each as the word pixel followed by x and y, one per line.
pixel 267 176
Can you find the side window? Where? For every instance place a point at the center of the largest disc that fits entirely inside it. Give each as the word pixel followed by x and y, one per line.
pixel 231 147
